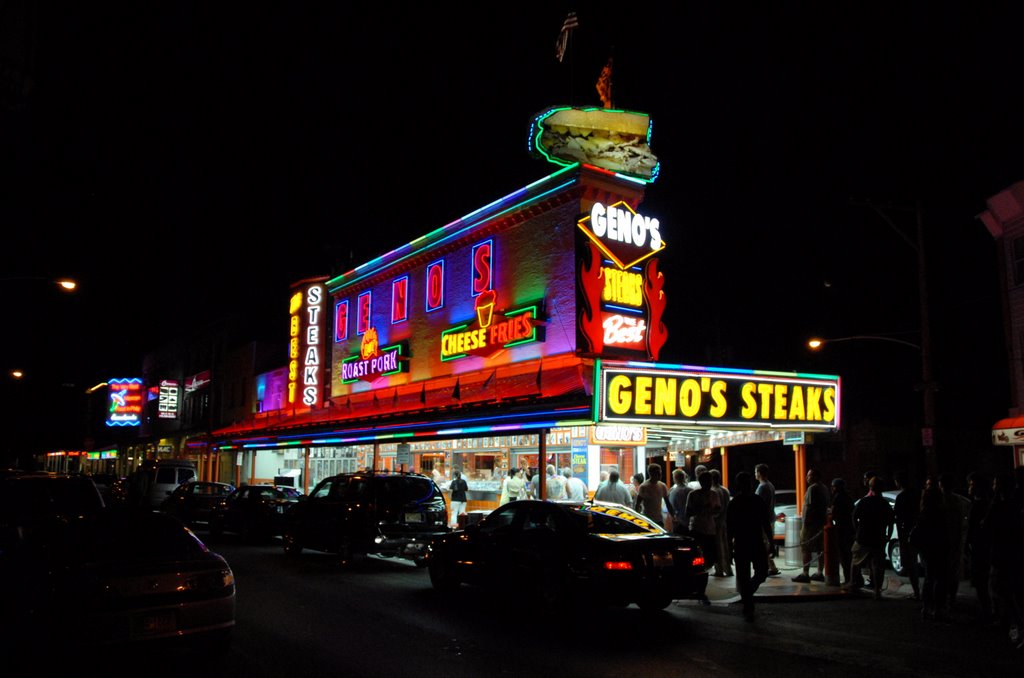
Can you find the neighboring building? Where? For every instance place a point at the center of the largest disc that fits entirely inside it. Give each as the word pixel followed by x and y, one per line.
pixel 1004 219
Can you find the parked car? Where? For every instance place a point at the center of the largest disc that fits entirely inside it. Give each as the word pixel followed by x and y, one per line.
pixel 193 501
pixel 91 575
pixel 596 552
pixel 785 509
pixel 355 514
pixel 167 475
pixel 253 511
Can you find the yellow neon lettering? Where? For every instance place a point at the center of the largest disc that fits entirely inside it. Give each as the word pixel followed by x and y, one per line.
pixel 665 396
pixel 620 398
pixel 643 395
pixel 796 404
pixel 718 403
pixel 813 403
pixel 830 404
pixel 781 391
pixel 749 410
pixel 765 391
pixel 689 397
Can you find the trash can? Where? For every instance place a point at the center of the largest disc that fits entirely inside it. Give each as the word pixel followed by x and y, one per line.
pixel 794 554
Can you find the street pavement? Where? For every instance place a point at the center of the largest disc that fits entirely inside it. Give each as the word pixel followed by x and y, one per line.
pixel 781 587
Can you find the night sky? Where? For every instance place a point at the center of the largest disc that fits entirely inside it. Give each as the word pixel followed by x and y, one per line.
pixel 193 160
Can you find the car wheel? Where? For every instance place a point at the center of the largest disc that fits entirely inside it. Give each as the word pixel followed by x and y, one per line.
pixel 420 561
pixel 442 575
pixel 895 558
pixel 654 603
pixel 292 544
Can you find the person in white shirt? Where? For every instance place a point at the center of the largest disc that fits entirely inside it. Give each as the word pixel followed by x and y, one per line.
pixel 575 487
pixel 614 491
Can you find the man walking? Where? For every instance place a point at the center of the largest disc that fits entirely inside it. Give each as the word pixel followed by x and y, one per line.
pixel 677 498
pixel 873 519
pixel 613 491
pixel 748 523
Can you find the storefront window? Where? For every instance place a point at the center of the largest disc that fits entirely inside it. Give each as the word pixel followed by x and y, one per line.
pixel 618 459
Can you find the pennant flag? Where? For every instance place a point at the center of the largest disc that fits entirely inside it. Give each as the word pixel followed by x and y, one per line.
pixel 570 23
pixel 394 399
pixel 457 391
pixel 490 378
pixel 423 394
pixel 604 85
pixel 540 367
pixel 376 403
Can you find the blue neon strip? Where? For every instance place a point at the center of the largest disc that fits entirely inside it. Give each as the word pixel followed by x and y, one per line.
pixel 624 309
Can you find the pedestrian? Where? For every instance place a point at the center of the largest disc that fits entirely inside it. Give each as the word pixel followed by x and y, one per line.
pixel 766 490
pixel 516 486
pixel 841 512
pixel 957 509
pixel 873 520
pixel 634 487
pixel 931 538
pixel 812 533
pixel 978 544
pixel 906 507
pixel 677 498
pixel 614 491
pixel 576 489
pixel 1004 525
pixel 695 483
pixel 748 523
pixel 554 485
pixel 652 495
pixel 458 488
pixel 723 565
pixel 702 505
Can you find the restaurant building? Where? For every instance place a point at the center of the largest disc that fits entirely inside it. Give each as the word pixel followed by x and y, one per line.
pixel 524 334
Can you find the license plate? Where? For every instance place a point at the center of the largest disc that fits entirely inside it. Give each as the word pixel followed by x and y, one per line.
pixel 154 624
pixel 280 509
pixel 662 560
pixel 414 517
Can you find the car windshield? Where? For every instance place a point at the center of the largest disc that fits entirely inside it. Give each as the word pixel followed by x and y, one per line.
pixel 408 490
pixel 607 519
pixel 119 537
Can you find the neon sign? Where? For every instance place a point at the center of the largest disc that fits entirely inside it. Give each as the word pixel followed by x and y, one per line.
pixel 125 402
pixel 167 404
pixel 373 361
pixel 625 237
pixel 435 285
pixel 483 275
pixel 660 396
pixel 305 345
pixel 400 299
pixel 491 331
pixel 341 321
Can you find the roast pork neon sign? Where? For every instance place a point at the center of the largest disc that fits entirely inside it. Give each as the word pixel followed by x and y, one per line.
pixel 373 362
pixel 491 330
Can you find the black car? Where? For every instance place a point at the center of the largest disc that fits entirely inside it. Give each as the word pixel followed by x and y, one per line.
pixel 193 501
pixel 253 511
pixel 382 513
pixel 594 552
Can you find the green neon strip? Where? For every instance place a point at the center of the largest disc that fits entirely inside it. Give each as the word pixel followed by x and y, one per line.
pixel 452 330
pixel 597 390
pixel 533 335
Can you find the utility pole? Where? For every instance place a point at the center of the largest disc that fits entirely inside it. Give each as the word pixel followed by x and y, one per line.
pixel 928 385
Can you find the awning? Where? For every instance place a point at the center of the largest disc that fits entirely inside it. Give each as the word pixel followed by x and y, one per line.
pixel 515 389
pixel 1008 432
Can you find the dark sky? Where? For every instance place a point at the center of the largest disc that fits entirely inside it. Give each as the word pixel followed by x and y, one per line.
pixel 194 159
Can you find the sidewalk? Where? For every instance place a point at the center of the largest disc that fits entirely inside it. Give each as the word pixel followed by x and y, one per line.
pixel 781 587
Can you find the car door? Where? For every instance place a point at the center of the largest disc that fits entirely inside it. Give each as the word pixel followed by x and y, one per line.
pixel 319 519
pixel 483 555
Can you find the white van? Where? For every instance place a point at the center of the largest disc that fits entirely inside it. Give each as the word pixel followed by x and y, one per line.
pixel 166 476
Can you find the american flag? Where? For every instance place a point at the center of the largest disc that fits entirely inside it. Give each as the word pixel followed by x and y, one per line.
pixel 570 23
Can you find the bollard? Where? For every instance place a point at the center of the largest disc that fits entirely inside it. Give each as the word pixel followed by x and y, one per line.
pixel 793 549
pixel 831 554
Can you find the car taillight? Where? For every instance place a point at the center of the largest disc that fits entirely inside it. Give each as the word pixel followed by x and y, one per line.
pixel 618 565
pixel 698 561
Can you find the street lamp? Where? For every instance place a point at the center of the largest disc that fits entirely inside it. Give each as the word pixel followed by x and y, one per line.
pixel 928 388
pixel 66 284
pixel 816 343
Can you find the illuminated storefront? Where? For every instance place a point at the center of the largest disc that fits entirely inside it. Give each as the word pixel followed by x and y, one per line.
pixel 529 328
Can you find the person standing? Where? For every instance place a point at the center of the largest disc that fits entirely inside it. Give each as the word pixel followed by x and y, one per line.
pixel 458 488
pixel 931 537
pixel 516 486
pixel 766 490
pixel 812 534
pixel 702 505
pixel 723 566
pixel 1004 524
pixel 905 508
pixel 614 491
pixel 677 498
pixel 748 523
pixel 576 489
pixel 978 544
pixel 554 484
pixel 634 487
pixel 873 521
pixel 842 518
pixel 652 495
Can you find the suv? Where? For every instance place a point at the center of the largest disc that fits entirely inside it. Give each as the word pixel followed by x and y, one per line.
pixel 382 513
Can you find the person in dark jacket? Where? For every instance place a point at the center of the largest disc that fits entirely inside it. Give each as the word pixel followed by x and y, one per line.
pixel 842 518
pixel 931 537
pixel 978 545
pixel 748 523
pixel 873 521
pixel 906 507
